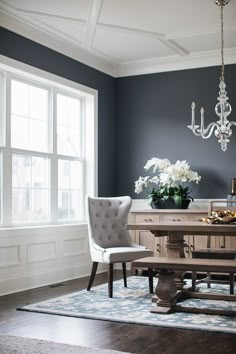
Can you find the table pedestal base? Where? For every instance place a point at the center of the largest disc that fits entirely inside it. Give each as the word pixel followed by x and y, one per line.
pixel 167 295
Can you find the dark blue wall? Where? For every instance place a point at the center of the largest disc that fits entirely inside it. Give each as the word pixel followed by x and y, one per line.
pixel 29 52
pixel 144 116
pixel 153 114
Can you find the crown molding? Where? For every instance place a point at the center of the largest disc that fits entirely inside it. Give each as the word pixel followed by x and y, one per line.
pixel 191 61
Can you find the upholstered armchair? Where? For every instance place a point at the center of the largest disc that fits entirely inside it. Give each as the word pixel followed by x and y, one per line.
pixel 109 240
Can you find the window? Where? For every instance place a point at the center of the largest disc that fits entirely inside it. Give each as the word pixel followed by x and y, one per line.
pixel 46 152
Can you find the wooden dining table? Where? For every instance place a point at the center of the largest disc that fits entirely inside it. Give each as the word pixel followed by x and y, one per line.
pixel 175 232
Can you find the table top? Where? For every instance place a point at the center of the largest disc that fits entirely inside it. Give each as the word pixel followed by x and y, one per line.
pixel 190 227
pixel 169 211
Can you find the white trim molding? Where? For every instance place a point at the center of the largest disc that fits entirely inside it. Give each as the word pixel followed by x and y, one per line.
pixel 191 61
pixel 30 24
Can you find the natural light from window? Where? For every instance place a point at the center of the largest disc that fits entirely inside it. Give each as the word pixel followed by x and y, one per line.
pixel 47 148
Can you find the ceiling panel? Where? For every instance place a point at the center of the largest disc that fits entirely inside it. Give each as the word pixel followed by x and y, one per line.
pixel 168 16
pixel 69 8
pixel 207 42
pixel 76 31
pixel 122 47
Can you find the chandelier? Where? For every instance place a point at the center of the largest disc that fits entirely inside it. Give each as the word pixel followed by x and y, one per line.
pixel 223 108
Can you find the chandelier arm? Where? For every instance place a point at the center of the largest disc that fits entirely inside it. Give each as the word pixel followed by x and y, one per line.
pixel 195 131
pixel 232 123
pixel 208 130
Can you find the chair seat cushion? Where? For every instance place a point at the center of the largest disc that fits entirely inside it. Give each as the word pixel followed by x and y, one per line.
pixel 124 254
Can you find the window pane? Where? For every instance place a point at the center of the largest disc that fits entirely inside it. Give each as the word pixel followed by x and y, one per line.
pixel 19 98
pixel 40 172
pixel 68 125
pixel 1 205
pixel 63 174
pixel 75 205
pixel 21 171
pixel 38 103
pixel 69 205
pixel 63 204
pixel 19 124
pixel 70 184
pixel 0 170
pixel 30 188
pixel 29 117
pixel 20 205
pixel 40 204
pixel 0 187
pixel 76 179
pixel 38 139
pixel 68 111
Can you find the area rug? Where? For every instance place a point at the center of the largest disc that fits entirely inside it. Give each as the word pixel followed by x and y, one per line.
pixel 21 345
pixel 133 304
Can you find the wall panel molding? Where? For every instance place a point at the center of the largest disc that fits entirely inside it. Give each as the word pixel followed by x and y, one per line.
pixel 39 256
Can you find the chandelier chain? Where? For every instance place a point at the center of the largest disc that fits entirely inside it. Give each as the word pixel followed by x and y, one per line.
pixel 222 42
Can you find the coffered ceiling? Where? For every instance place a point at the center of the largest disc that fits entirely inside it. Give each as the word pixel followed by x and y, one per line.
pixel 127 37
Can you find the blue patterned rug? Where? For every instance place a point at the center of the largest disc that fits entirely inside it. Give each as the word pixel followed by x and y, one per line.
pixel 133 304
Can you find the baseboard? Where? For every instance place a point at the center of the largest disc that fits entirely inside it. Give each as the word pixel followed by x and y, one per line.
pixel 52 276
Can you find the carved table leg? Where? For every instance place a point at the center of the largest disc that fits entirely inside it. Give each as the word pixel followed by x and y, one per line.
pixel 166 292
pixel 175 248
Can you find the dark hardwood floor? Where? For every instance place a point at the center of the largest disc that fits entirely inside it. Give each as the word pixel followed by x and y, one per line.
pixel 103 334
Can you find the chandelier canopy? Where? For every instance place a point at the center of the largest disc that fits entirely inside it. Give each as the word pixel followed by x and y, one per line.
pixel 223 109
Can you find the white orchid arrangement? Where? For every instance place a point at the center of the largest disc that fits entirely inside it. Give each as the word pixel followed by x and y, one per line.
pixel 167 179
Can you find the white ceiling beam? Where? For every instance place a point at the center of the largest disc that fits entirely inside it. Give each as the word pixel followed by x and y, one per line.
pixel 131 30
pixel 168 42
pixel 92 23
pixel 50 16
pixel 174 46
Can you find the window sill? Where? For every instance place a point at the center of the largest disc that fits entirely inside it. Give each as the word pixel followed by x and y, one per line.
pixel 42 229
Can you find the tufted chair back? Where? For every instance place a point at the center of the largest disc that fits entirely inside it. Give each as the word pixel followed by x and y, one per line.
pixel 107 220
pixel 109 240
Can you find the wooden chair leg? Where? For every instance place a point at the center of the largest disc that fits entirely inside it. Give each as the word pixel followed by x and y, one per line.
pixel 92 276
pixel 231 283
pixel 110 279
pixel 150 280
pixel 124 274
pixel 194 279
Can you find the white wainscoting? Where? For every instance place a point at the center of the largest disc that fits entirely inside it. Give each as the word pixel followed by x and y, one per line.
pixel 38 256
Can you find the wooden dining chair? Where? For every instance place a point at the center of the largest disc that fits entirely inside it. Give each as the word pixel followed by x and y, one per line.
pixel 216 253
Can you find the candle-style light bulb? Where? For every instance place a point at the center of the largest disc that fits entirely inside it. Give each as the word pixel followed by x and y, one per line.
pixel 202 118
pixel 193 114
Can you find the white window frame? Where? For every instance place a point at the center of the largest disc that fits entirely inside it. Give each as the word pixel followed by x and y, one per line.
pixel 55 84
